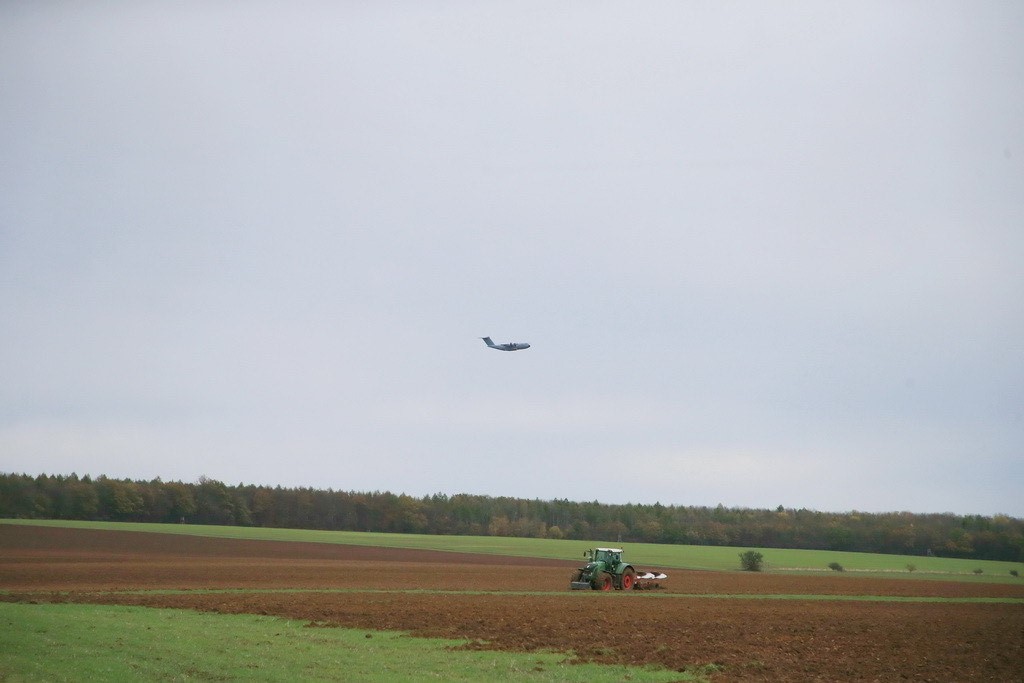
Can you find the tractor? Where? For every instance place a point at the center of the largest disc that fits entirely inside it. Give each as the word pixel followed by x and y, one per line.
pixel 605 570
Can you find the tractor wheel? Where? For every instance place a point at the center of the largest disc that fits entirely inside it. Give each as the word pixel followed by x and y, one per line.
pixel 603 582
pixel 628 580
pixel 577 575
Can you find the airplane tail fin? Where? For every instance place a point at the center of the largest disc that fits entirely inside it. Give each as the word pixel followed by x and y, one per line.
pixel 487 340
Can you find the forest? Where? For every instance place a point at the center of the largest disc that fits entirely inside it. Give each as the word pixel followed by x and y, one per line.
pixel 208 501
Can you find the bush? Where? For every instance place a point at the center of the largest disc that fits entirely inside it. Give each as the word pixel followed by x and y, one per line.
pixel 751 561
pixel 1013 572
pixel 911 568
pixel 836 567
pixel 977 571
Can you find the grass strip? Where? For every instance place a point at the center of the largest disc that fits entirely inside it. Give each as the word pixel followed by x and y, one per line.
pixel 595 595
pixel 69 642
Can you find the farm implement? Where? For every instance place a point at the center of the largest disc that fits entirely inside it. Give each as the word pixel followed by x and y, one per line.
pixel 605 570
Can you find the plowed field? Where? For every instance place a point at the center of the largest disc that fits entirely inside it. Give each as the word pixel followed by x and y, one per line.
pixel 751 625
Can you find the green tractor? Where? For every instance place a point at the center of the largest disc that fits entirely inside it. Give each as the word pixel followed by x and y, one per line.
pixel 605 570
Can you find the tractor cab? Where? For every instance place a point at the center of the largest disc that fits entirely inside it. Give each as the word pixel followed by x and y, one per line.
pixel 610 556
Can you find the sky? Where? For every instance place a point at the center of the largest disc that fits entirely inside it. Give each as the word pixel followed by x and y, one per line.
pixel 765 253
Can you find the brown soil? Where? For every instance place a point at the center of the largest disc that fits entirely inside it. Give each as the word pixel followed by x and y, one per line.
pixel 752 637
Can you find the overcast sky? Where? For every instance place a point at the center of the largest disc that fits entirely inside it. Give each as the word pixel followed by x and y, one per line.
pixel 765 253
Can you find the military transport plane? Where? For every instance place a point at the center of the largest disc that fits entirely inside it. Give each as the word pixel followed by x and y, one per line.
pixel 511 346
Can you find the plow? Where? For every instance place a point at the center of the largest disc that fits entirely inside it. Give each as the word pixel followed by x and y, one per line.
pixel 606 570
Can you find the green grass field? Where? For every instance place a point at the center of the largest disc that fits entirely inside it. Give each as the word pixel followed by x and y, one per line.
pixel 641 554
pixel 69 642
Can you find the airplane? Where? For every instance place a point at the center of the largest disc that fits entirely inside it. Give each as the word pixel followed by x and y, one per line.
pixel 511 346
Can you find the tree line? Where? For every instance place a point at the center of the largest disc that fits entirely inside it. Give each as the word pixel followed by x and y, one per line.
pixel 208 501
